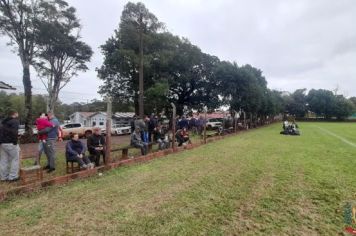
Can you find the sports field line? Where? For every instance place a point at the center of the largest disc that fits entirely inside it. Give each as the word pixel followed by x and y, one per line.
pixel 337 136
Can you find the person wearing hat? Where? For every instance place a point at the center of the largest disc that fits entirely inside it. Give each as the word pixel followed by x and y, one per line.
pixel 136 141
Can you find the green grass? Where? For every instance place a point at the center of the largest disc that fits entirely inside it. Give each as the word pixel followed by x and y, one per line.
pixel 257 183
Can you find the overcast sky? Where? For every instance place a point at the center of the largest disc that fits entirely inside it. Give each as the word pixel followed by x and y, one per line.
pixel 297 44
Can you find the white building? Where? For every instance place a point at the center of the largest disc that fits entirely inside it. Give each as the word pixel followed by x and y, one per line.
pixel 81 117
pixel 98 119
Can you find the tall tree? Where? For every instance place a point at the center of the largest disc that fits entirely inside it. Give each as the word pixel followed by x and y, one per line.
pixel 297 103
pixel 17 22
pixel 322 102
pixel 138 22
pixel 343 108
pixel 61 53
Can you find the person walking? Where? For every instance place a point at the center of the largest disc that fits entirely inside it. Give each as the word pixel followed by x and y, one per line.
pixel 10 150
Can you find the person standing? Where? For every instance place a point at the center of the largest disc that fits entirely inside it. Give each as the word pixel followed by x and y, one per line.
pixel 132 123
pixel 96 146
pixel 43 126
pixel 49 146
pixel 10 150
pixel 152 124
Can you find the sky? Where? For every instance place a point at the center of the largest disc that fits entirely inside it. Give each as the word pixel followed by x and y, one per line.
pixel 297 44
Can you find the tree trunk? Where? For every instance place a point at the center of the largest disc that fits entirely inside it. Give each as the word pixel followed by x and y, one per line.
pixel 52 100
pixel 28 98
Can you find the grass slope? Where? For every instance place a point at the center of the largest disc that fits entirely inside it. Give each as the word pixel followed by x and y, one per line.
pixel 259 182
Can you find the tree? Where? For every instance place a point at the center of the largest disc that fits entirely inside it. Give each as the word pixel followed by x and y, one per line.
pixel 297 103
pixel 243 88
pixel 191 77
pixel 61 54
pixel 353 100
pixel 17 22
pixel 124 58
pixel 137 20
pixel 343 107
pixel 322 102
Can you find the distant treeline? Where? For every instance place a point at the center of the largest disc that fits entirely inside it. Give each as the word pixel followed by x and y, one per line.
pixel 16 102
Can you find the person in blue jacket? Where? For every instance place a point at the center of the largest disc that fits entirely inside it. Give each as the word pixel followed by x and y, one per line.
pixel 75 151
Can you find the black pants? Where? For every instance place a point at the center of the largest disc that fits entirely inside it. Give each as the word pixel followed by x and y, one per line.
pixel 95 156
pixel 181 140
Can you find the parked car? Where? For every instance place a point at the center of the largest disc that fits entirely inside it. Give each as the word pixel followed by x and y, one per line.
pixel 76 128
pixel 118 130
pixel 214 123
pixel 22 130
pixel 121 130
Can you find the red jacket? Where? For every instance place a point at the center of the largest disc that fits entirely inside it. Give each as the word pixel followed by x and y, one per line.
pixel 43 123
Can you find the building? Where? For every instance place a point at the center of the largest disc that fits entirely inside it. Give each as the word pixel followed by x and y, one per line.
pixel 6 86
pixel 122 119
pixel 98 119
pixel 81 117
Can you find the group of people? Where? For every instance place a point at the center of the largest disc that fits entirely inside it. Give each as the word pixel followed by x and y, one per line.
pixel 76 150
pixel 148 130
pixel 48 133
pixel 152 129
pixel 192 123
pixel 144 131
pixel 290 128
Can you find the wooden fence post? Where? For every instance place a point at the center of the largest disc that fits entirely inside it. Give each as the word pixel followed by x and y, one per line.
pixel 108 131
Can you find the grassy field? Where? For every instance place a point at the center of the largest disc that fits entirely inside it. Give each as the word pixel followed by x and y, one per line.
pixel 257 183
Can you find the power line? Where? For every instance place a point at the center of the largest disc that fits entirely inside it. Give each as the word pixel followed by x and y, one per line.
pixel 62 91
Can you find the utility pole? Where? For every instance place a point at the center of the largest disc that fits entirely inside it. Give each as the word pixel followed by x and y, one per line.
pixel 174 125
pixel 141 95
pixel 108 131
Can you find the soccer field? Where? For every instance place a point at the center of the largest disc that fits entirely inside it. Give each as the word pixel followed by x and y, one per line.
pixel 259 182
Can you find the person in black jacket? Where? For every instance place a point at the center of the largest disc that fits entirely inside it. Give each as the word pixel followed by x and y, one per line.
pixel 10 150
pixel 96 146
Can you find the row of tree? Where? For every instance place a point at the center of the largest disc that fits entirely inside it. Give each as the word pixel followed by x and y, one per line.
pixel 13 101
pixel 45 34
pixel 176 71
pixel 322 103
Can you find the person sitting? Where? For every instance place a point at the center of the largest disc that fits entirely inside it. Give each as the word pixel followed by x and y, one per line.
pixel 75 151
pixel 161 137
pixel 137 142
pixel 182 136
pixel 96 146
